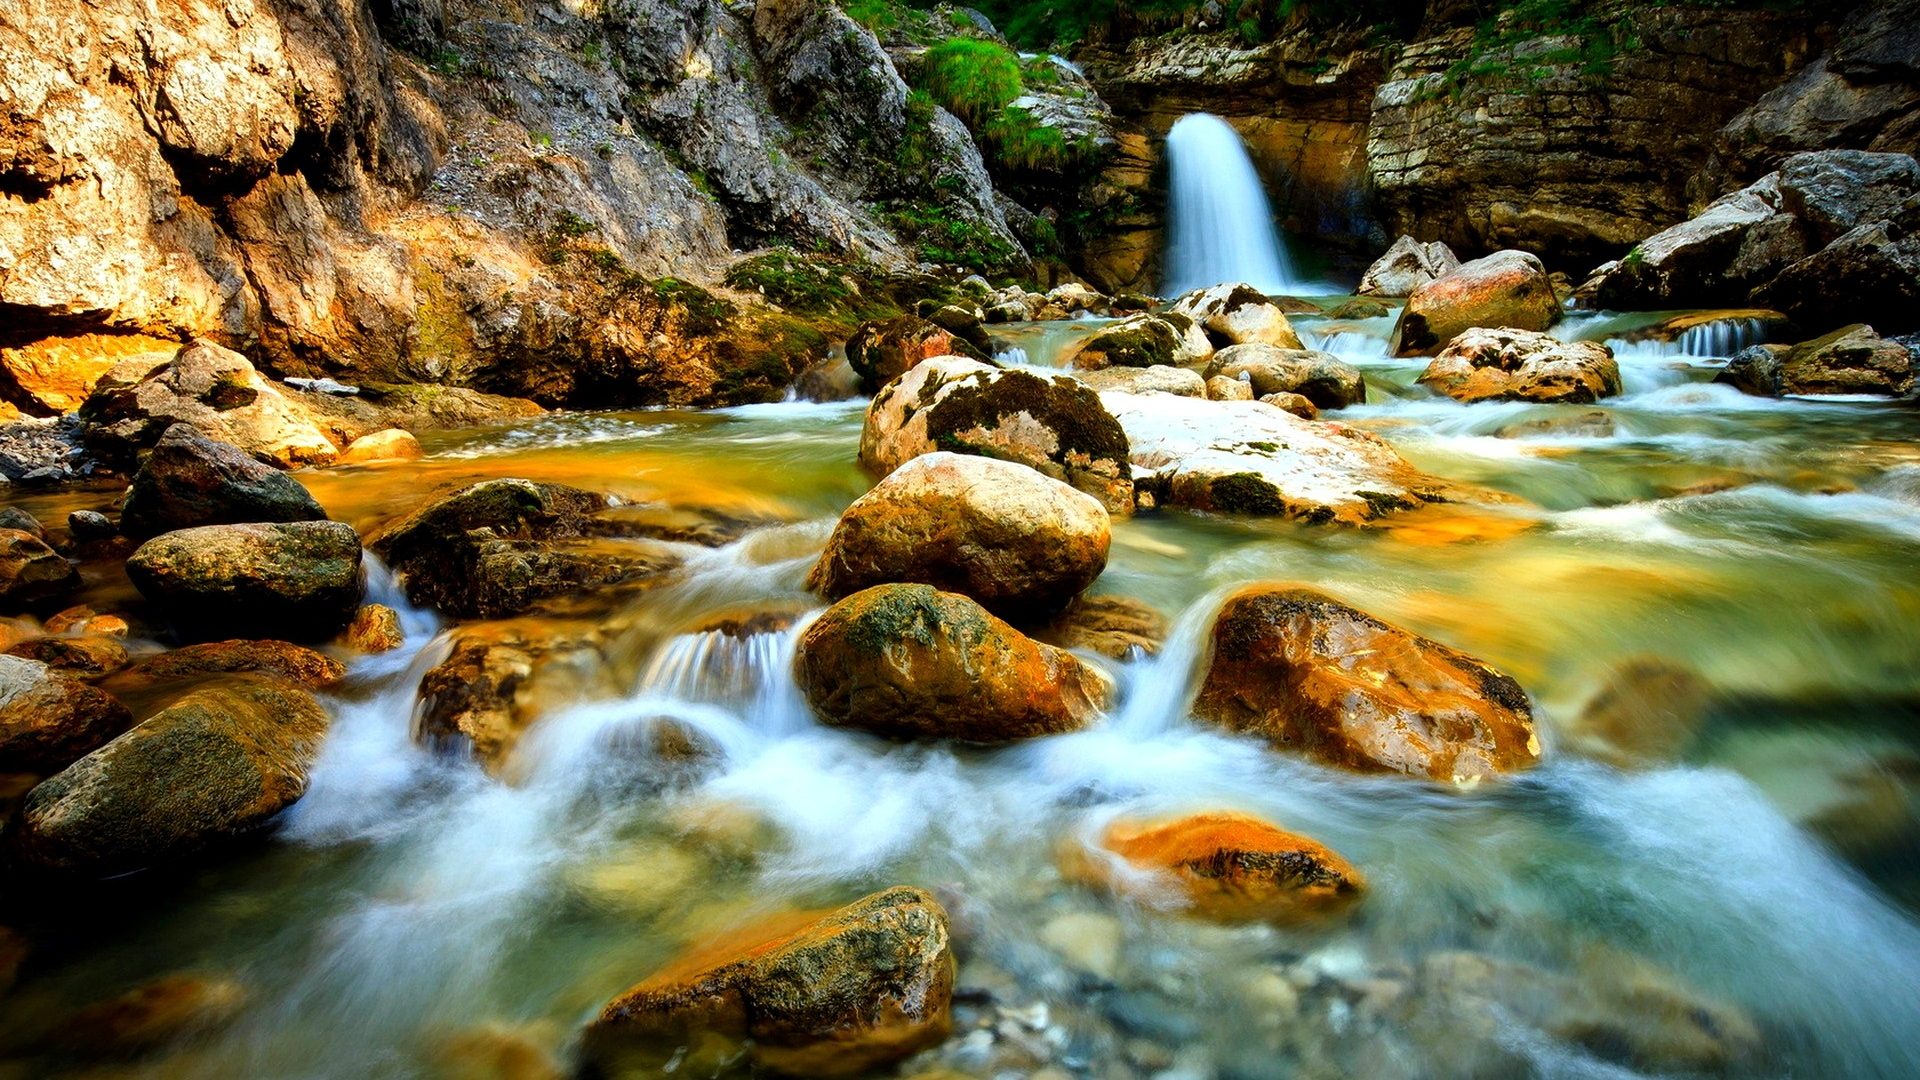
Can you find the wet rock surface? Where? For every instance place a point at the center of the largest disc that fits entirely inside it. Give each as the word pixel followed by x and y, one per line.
pixel 1506 289
pixel 300 579
pixel 1316 677
pixel 1515 365
pixel 1851 360
pixel 189 479
pixel 48 720
pixel 1323 379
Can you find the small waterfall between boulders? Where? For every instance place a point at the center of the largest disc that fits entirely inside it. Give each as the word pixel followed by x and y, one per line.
pixel 1219 223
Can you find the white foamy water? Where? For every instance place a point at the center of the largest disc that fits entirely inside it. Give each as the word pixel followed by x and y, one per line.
pixel 1219 224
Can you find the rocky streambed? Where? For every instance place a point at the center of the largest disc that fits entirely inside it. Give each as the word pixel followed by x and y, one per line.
pixel 1234 687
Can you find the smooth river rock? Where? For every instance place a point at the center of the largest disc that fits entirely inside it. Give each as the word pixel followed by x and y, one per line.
pixel 1519 365
pixel 1316 677
pixel 909 661
pixel 1018 542
pixel 1047 422
pixel 1851 360
pixel 216 764
pixel 48 720
pixel 1222 865
pixel 1322 378
pixel 1407 266
pixel 189 480
pixel 881 352
pixel 295 580
pixel 812 994
pixel 280 660
pixel 1504 289
pixel 1140 341
pixel 1238 314
pixel 31 573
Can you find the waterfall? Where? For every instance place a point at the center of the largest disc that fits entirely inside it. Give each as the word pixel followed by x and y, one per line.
pixel 1219 224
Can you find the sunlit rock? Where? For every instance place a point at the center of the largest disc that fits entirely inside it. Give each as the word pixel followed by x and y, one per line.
pixel 48 720
pixel 881 352
pixel 816 994
pixel 82 656
pixel 1315 677
pixel 1001 533
pixel 1238 314
pixel 297 580
pixel 1322 378
pixel 1221 865
pixel 1851 360
pixel 1516 365
pixel 1050 423
pixel 1140 341
pixel 1407 266
pixel 375 629
pixel 216 764
pixel 31 573
pixel 1504 289
pixel 281 660
pixel 1159 379
pixel 211 388
pixel 908 661
pixel 387 444
pixel 189 479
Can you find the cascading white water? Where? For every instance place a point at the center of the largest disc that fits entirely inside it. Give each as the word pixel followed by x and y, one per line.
pixel 1219 224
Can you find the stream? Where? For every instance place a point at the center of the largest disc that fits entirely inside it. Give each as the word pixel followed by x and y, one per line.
pixel 442 915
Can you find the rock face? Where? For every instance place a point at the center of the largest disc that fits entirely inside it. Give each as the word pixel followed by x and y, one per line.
pixel 497 680
pixel 881 352
pixel 1139 341
pixel 501 546
pixel 279 660
pixel 188 480
pixel 1406 267
pixel 47 720
pixel 1506 289
pixel 31 573
pixel 1851 360
pixel 1828 238
pixel 210 388
pixel 837 993
pixel 1539 147
pixel 1238 314
pixel 1223 865
pixel 1322 378
pixel 1248 457
pixel 216 764
pixel 1515 365
pixel 1049 423
pixel 909 661
pixel 299 580
pixel 1316 677
pixel 1018 542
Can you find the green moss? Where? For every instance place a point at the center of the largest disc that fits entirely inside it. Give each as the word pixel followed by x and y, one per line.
pixel 972 79
pixel 1072 411
pixel 940 236
pixel 1245 493
pixel 836 293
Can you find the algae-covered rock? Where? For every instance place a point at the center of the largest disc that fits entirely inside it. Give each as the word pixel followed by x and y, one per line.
pixel 298 580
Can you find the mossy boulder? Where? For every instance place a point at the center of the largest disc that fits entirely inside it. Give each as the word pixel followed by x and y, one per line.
pixel 189 480
pixel 1221 865
pixel 1505 289
pixel 1139 341
pixel 1018 542
pixel 215 765
pixel 815 994
pixel 909 661
pixel 1049 423
pixel 1518 365
pixel 880 352
pixel 48 720
pixel 1316 677
pixel 1322 378
pixel 1850 360
pixel 298 580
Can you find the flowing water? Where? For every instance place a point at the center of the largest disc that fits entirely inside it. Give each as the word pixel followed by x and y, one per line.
pixel 415 914
pixel 1220 226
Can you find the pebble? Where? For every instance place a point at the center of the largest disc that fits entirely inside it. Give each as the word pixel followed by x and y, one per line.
pixel 1088 941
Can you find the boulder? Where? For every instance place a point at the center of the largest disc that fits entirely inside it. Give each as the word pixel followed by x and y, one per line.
pixel 1506 288
pixel 1517 365
pixel 1074 297
pixel 376 629
pixel 213 389
pixel 499 547
pixel 909 661
pixel 31 573
pixel 1221 865
pixel 1834 191
pixel 1139 341
pixel 1237 314
pixel 500 678
pixel 1049 423
pixel 839 993
pixel 1710 260
pixel 1116 627
pixel 1017 542
pixel 1228 388
pixel 1322 378
pixel 1248 457
pixel 1407 266
pixel 298 580
pixel 91 525
pixel 387 444
pixel 280 660
pixel 83 657
pixel 1870 272
pixel 1316 677
pixel 881 352
pixel 1297 404
pixel 1851 360
pixel 48 720
pixel 216 764
pixel 12 517
pixel 189 479
pixel 1158 379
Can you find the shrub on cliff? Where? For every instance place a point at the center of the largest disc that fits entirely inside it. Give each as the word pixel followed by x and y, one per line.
pixel 972 79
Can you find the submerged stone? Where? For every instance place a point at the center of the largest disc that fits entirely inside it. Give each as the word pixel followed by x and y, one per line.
pixel 1316 677
pixel 815 994
pixel 909 661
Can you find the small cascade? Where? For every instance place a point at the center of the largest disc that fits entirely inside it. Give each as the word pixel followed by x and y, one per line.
pixel 718 667
pixel 1219 223
pixel 1716 340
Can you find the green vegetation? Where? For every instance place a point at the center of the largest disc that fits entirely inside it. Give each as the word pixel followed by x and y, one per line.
pixel 972 79
pixel 1513 44
pixel 940 237
pixel 1015 140
pixel 823 288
